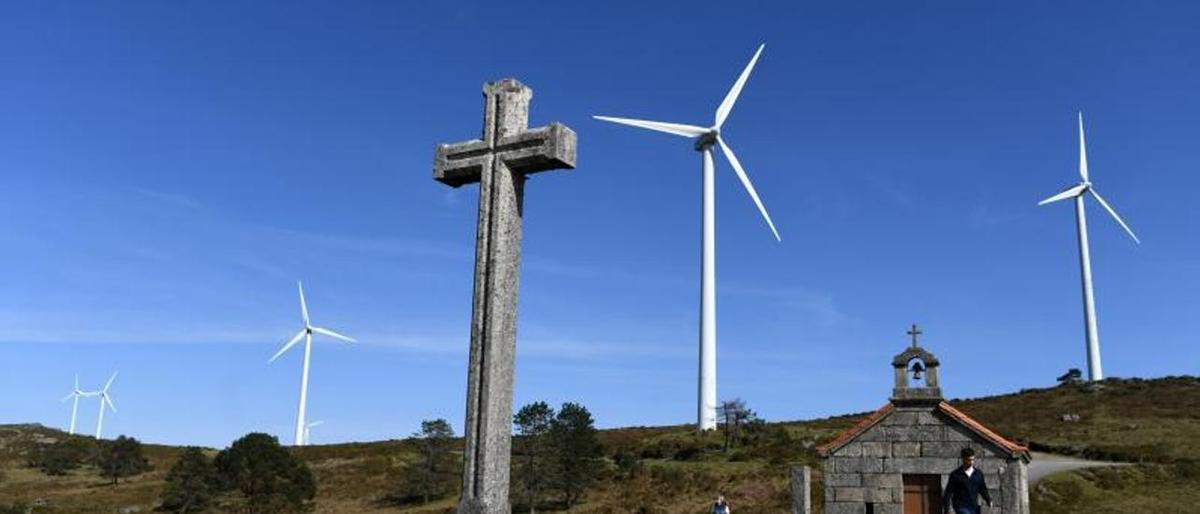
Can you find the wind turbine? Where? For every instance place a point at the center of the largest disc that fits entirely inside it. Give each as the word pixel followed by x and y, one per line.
pixel 1078 191
pixel 75 395
pixel 308 431
pixel 705 138
pixel 306 334
pixel 105 399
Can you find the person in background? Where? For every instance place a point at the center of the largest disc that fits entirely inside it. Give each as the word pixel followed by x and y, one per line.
pixel 721 506
pixel 965 486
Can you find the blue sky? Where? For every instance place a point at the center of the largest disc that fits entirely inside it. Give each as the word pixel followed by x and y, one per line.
pixel 171 169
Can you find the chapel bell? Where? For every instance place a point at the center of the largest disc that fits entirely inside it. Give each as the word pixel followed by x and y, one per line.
pixel 917 369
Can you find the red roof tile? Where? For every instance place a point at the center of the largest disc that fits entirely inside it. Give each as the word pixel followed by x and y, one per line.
pixel 853 432
pixel 983 431
pixel 856 430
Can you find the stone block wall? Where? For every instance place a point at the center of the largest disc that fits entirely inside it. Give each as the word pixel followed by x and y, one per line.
pixel 915 440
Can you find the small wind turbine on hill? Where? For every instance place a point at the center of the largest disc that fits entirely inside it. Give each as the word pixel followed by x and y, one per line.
pixel 105 399
pixel 1078 191
pixel 306 334
pixel 75 395
pixel 704 139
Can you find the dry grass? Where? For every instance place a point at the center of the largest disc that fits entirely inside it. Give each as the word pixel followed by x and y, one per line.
pixel 1156 421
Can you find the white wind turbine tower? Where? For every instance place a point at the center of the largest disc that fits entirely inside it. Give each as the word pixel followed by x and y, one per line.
pixel 306 334
pixel 104 399
pixel 1095 372
pixel 308 431
pixel 75 395
pixel 705 138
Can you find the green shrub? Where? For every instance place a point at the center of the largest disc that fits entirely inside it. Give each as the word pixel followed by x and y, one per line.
pixel 191 483
pixel 269 478
pixel 121 458
pixel 61 457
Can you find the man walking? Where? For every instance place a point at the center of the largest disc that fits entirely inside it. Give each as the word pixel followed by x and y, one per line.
pixel 965 486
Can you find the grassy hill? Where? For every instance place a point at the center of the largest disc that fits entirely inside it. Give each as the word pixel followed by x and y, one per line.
pixel 667 470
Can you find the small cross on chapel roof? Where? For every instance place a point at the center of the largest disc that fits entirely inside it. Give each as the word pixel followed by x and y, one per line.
pixel 915 332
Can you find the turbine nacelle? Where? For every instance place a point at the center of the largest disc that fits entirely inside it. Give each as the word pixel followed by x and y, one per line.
pixel 307 331
pixel 706 138
pixel 1085 187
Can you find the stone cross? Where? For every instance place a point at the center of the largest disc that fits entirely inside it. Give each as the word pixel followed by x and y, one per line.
pixel 915 332
pixel 499 161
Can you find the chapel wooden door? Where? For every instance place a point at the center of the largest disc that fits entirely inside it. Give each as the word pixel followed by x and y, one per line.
pixel 922 494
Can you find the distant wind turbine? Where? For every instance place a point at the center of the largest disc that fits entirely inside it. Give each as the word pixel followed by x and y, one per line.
pixel 1078 191
pixel 308 431
pixel 705 138
pixel 105 398
pixel 75 395
pixel 306 334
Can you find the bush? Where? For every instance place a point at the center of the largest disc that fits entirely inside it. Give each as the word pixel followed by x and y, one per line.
pixel 121 458
pixel 191 483
pixel 688 452
pixel 269 478
pixel 1188 470
pixel 61 457
pixel 627 463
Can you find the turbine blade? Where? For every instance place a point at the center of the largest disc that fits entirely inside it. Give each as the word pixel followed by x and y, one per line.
pixel 732 96
pixel 333 334
pixel 1115 216
pixel 108 400
pixel 303 305
pixel 286 346
pixel 110 381
pixel 741 173
pixel 316 424
pixel 69 396
pixel 1070 192
pixel 670 128
pixel 1083 170
pixel 76 382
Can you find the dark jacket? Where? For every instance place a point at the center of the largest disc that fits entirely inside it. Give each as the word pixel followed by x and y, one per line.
pixel 964 491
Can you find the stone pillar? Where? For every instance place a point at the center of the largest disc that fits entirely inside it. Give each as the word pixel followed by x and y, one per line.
pixel 801 485
pixel 499 161
pixel 1014 488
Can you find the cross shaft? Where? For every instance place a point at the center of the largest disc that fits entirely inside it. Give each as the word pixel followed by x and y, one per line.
pixel 500 160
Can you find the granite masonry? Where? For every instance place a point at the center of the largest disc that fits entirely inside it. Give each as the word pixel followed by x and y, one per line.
pixel 499 161
pixel 897 460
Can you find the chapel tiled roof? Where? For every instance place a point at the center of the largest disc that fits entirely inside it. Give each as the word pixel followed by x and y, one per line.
pixel 856 430
pixel 974 426
pixel 983 431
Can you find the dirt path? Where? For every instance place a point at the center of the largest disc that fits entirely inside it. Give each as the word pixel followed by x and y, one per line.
pixel 1046 464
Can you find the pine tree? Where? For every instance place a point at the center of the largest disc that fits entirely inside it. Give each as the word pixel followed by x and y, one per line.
pixel 432 475
pixel 533 423
pixel 576 452
pixel 734 415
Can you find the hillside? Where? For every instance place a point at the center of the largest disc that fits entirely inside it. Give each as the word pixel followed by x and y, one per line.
pixel 1154 423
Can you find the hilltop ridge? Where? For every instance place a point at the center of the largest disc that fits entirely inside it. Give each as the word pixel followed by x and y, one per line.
pixel 669 469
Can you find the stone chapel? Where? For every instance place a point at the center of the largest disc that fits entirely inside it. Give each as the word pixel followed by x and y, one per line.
pixel 897 460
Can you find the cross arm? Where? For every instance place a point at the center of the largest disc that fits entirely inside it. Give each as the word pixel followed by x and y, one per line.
pixel 459 164
pixel 541 149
